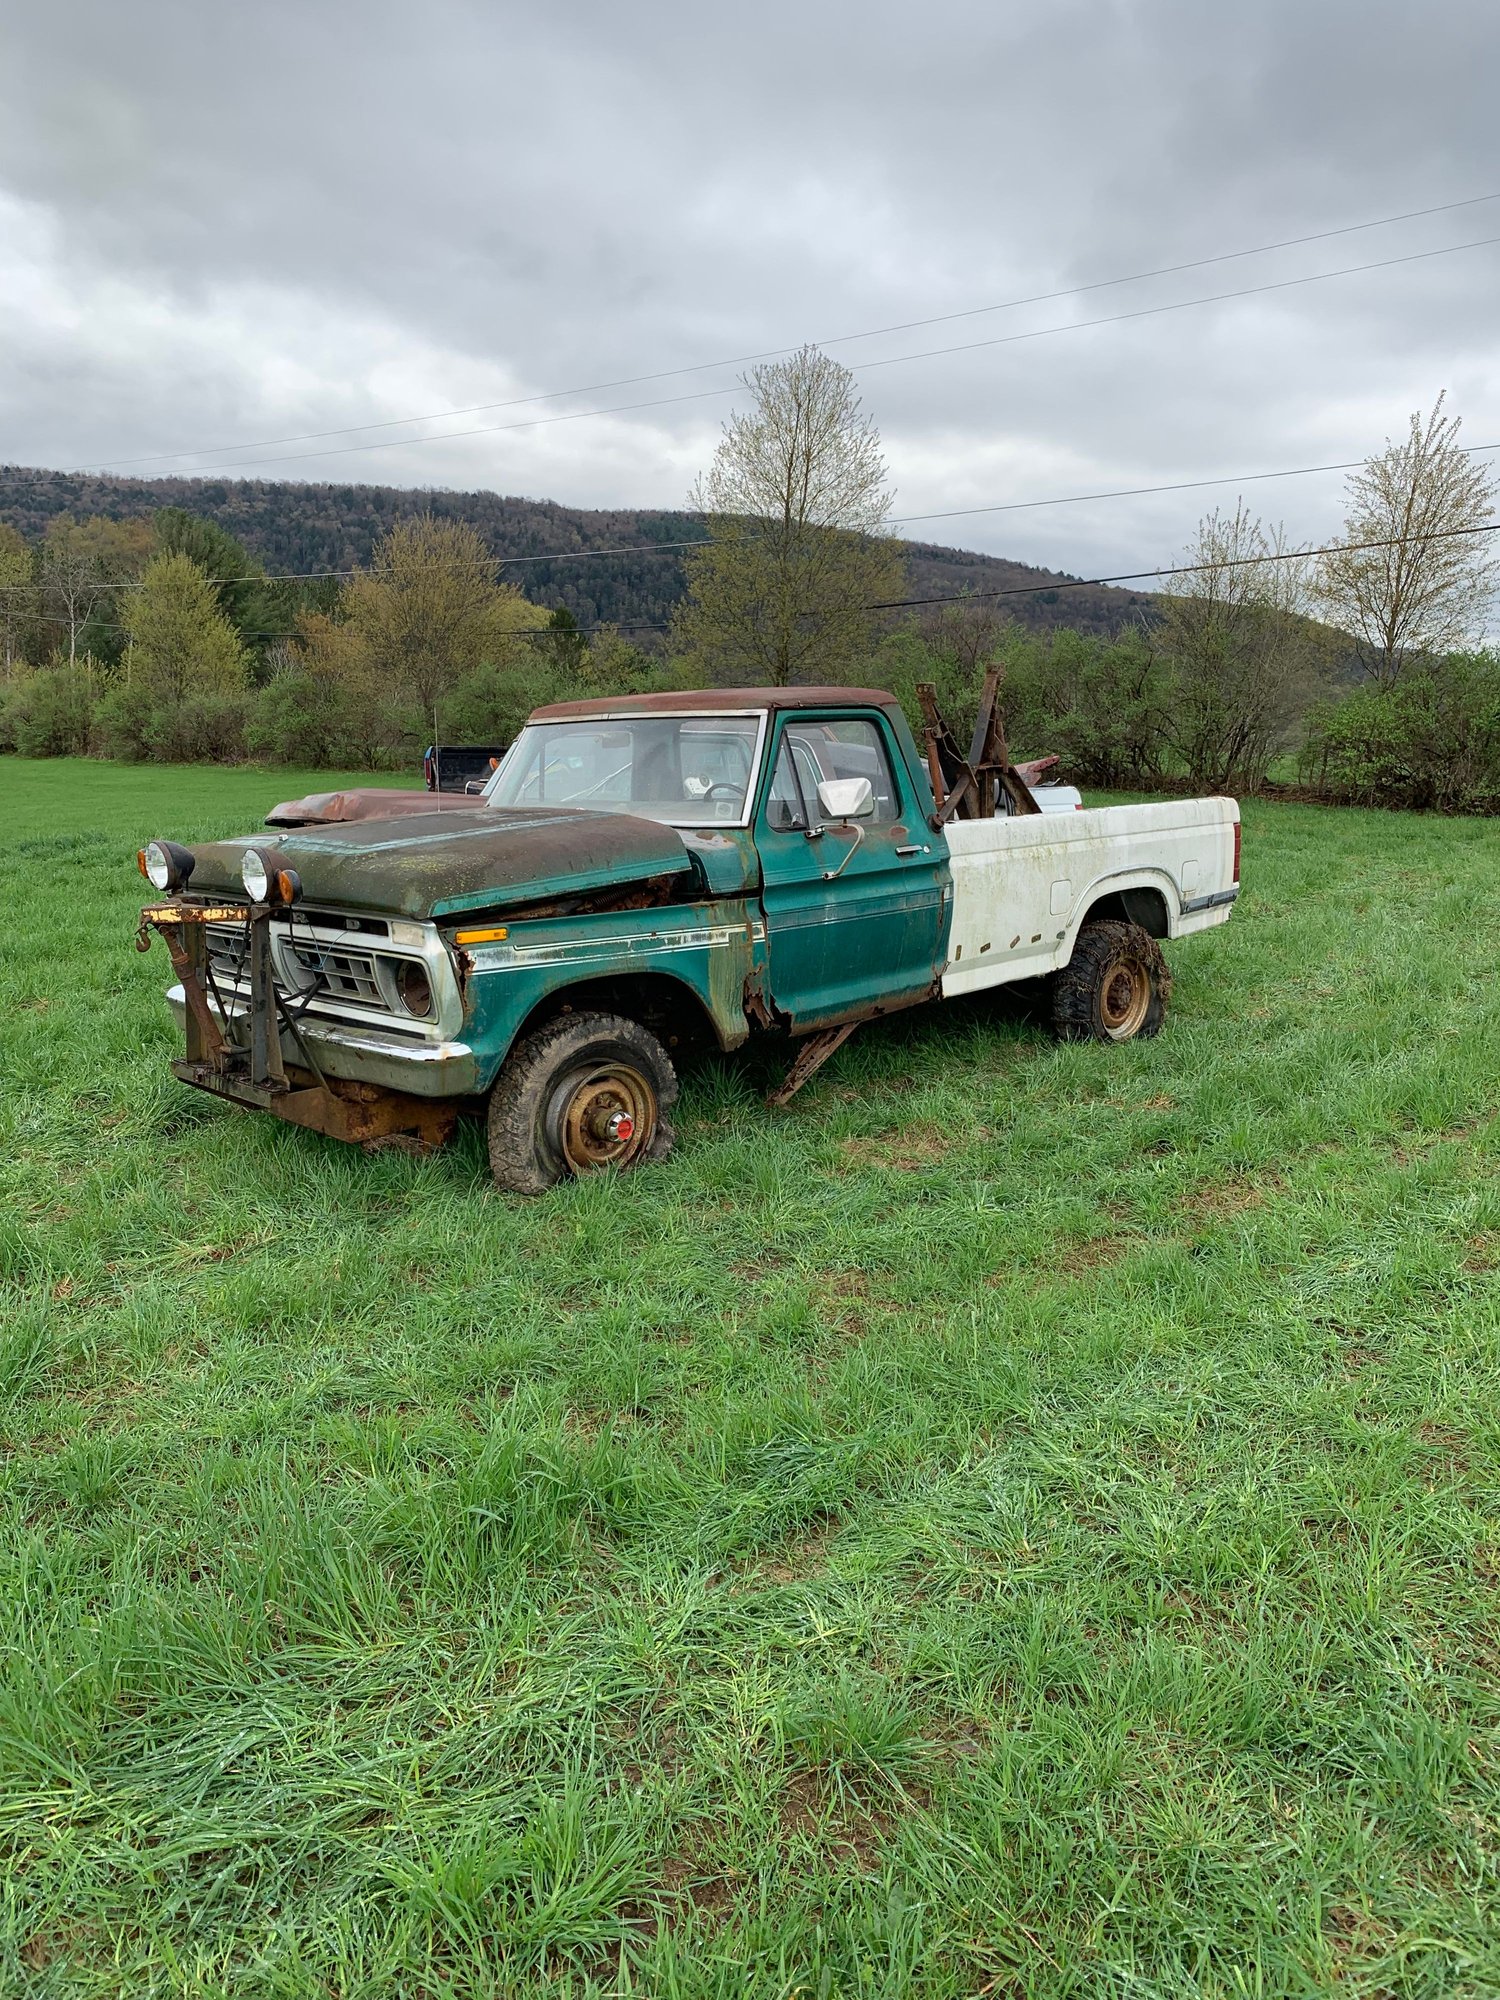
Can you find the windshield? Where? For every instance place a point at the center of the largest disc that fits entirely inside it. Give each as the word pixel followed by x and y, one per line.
pixel 685 770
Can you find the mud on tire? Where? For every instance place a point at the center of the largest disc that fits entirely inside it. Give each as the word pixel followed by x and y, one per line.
pixel 1114 988
pixel 586 1091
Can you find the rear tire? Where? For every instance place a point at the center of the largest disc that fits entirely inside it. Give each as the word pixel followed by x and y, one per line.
pixel 1115 988
pixel 585 1092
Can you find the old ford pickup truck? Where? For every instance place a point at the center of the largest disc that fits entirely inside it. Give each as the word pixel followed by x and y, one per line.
pixel 639 877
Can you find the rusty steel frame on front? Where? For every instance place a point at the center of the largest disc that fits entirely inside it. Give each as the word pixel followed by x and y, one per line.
pixel 256 1076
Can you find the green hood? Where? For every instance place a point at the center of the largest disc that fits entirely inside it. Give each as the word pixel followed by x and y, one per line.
pixel 443 864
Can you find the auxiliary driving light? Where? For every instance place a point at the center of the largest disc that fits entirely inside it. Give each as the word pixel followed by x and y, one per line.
pixel 165 865
pixel 265 884
pixel 256 876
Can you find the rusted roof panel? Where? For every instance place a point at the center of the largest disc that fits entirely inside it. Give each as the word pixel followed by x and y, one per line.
pixel 713 701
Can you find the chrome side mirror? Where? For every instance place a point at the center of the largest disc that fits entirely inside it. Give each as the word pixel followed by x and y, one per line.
pixel 847 798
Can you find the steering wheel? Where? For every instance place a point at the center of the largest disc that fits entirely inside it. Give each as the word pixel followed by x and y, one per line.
pixel 724 785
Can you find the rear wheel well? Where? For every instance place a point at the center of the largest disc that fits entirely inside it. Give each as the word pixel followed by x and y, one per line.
pixel 669 1008
pixel 1143 906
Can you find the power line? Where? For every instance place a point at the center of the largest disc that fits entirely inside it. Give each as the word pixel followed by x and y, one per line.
pixel 1173 486
pixel 1126 576
pixel 889 361
pixel 1023 589
pixel 836 340
pixel 1184 569
pixel 901 520
pixel 1134 576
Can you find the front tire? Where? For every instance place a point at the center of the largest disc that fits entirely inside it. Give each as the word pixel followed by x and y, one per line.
pixel 1115 988
pixel 585 1092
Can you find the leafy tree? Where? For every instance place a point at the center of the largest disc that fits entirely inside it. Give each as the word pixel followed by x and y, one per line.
pixel 1426 590
pixel 49 711
pixel 364 717
pixel 566 643
pixel 796 500
pixel 490 705
pixel 613 664
pixel 1430 740
pixel 18 600
pixel 430 611
pixel 181 645
pixel 1095 701
pixel 294 716
pixel 244 595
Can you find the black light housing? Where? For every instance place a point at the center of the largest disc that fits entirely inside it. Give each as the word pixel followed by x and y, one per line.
pixel 165 865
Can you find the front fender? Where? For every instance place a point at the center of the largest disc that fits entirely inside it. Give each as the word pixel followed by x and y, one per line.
pixel 710 949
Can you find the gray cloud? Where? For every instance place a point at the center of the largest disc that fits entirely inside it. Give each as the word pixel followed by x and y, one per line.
pixel 219 225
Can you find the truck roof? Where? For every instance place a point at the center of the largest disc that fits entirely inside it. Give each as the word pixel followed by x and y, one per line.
pixel 701 701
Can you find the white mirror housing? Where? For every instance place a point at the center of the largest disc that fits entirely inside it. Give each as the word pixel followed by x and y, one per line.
pixel 847 798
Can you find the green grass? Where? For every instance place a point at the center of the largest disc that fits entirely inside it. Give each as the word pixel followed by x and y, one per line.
pixel 1024 1521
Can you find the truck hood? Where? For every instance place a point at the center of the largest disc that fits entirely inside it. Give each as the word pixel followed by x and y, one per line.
pixel 444 863
pixel 365 802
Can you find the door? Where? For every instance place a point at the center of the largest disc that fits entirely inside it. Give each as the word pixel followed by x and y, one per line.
pixel 855 909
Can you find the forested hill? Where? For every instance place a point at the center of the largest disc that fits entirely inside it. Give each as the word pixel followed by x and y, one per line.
pixel 293 527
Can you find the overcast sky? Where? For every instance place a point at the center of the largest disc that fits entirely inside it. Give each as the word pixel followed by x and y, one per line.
pixel 221 226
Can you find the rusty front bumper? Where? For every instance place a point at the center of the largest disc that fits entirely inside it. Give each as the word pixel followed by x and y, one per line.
pixel 264 1057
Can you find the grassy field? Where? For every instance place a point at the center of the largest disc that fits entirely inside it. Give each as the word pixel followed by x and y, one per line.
pixel 1023 1522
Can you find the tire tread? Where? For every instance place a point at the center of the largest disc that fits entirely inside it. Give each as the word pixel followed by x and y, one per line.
pixel 519 1091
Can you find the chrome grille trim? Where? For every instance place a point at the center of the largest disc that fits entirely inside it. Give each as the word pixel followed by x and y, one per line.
pixel 357 989
pixel 345 974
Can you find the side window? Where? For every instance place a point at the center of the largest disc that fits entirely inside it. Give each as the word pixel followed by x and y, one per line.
pixel 855 748
pixel 791 797
pixel 813 751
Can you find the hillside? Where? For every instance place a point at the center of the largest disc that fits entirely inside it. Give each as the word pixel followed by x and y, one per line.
pixel 296 527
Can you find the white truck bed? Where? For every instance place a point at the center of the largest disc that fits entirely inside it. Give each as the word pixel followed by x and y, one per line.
pixel 1023 886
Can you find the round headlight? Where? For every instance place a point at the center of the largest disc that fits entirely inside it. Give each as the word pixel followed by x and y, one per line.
pixel 165 865
pixel 256 875
pixel 413 987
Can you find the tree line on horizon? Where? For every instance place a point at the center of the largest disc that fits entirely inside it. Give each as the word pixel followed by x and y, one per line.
pixel 1361 667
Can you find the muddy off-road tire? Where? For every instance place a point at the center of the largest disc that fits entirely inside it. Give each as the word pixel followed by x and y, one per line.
pixel 587 1091
pixel 1115 987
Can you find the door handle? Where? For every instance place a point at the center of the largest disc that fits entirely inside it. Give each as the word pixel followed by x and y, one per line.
pixel 914 850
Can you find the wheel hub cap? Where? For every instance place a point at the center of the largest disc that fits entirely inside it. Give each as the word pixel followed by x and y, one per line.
pixel 608 1119
pixel 1126 999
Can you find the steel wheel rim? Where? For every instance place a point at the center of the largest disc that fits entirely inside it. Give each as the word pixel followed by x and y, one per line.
pixel 1126 999
pixel 590 1110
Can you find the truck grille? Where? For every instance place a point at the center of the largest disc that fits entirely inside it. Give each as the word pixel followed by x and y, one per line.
pixel 327 965
pixel 226 948
pixel 346 975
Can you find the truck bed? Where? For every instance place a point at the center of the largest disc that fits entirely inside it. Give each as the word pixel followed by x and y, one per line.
pixel 1023 886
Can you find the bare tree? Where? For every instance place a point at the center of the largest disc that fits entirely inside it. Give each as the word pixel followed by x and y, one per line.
pixel 1242 653
pixel 83 565
pixel 1424 587
pixel 797 503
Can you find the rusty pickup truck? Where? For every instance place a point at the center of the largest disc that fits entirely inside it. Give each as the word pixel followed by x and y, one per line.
pixel 647 875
